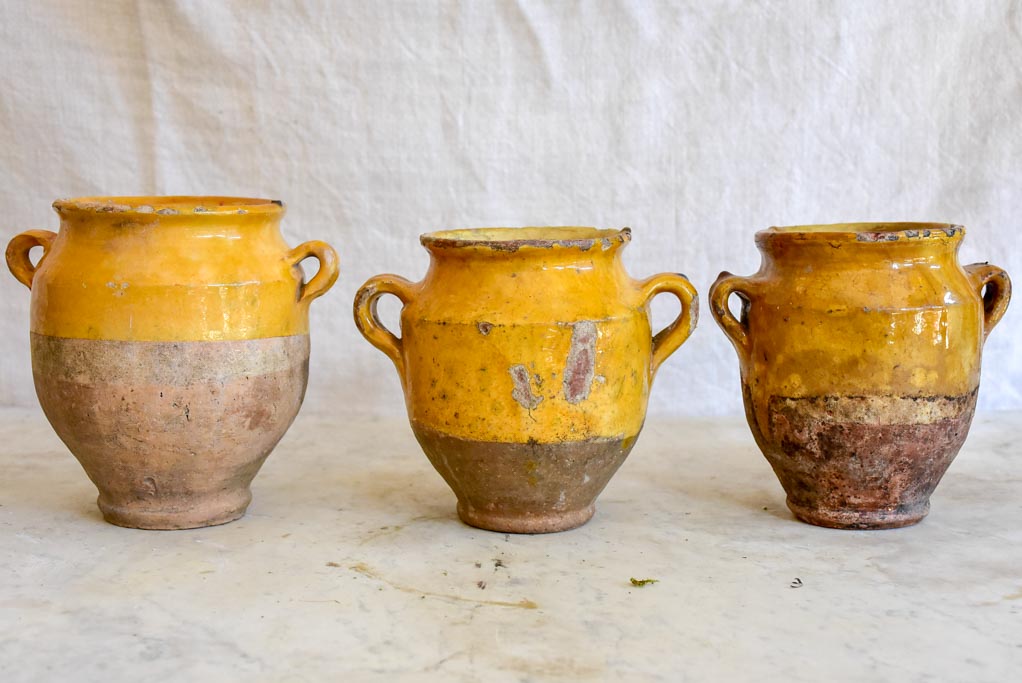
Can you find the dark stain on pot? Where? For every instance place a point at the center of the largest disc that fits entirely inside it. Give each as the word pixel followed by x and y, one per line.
pixel 864 462
pixel 877 237
pixel 258 416
pixel 512 246
pixel 522 391
pixel 581 363
pixel 363 295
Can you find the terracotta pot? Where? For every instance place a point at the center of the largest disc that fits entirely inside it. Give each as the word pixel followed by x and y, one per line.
pixel 859 347
pixel 526 358
pixel 170 347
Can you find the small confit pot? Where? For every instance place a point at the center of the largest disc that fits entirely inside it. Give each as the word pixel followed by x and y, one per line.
pixel 170 347
pixel 859 347
pixel 526 359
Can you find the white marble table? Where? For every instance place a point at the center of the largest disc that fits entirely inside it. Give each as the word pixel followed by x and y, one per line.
pixel 351 565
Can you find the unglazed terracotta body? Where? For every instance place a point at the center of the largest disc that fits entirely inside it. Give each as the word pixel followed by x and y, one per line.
pixel 526 359
pixel 859 347
pixel 170 347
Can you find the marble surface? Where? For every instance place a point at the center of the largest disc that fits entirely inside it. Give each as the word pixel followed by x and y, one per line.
pixel 351 565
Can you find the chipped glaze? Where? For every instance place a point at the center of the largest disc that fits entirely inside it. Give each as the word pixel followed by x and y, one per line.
pixel 859 346
pixel 170 347
pixel 526 358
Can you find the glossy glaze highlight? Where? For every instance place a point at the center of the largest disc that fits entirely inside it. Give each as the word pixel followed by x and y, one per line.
pixel 859 347
pixel 526 358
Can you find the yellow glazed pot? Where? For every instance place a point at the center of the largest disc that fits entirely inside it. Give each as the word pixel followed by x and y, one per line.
pixel 860 348
pixel 170 347
pixel 526 359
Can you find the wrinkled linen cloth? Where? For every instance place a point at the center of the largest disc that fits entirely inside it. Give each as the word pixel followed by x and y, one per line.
pixel 695 123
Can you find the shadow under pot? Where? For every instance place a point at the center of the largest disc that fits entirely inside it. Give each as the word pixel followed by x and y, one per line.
pixel 526 359
pixel 859 347
pixel 170 347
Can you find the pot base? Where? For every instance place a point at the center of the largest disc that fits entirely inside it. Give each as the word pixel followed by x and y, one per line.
pixel 863 462
pixel 524 488
pixel 189 514
pixel 171 433
pixel 524 523
pixel 860 519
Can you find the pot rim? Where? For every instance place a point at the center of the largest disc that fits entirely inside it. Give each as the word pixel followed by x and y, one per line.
pixel 514 238
pixel 863 232
pixel 173 205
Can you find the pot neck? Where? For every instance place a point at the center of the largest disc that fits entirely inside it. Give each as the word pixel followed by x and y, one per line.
pixel 525 248
pixel 111 218
pixel 860 244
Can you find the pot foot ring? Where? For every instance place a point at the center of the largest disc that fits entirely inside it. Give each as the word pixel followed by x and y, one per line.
pixel 524 522
pixel 860 519
pixel 184 515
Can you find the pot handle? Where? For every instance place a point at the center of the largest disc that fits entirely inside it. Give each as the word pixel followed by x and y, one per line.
pixel 667 340
pixel 998 292
pixel 17 253
pixel 720 291
pixel 368 322
pixel 325 277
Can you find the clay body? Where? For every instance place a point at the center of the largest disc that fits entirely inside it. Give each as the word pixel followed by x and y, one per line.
pixel 526 358
pixel 170 347
pixel 860 347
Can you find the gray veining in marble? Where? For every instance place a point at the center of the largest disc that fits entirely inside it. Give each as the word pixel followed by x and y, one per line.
pixel 352 565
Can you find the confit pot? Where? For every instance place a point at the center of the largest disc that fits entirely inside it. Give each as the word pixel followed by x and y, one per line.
pixel 526 358
pixel 859 346
pixel 170 347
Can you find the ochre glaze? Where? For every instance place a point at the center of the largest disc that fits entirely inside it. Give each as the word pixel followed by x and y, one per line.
pixel 170 347
pixel 171 269
pixel 527 341
pixel 859 347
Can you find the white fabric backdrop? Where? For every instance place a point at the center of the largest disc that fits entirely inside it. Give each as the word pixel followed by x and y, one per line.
pixel 695 123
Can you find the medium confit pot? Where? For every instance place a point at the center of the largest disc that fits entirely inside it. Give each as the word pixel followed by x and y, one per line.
pixel 859 347
pixel 526 359
pixel 170 347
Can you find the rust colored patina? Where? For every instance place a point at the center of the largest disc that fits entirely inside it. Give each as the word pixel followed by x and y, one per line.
pixel 864 462
pixel 859 347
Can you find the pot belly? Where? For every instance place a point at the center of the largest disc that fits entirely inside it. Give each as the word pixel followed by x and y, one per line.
pixel 171 433
pixel 527 422
pixel 512 383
